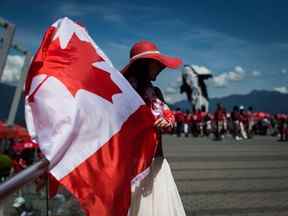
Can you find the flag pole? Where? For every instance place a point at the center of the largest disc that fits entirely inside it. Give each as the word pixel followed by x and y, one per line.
pixel 19 180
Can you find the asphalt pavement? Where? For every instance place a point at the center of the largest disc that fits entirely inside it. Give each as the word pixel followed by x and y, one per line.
pixel 228 177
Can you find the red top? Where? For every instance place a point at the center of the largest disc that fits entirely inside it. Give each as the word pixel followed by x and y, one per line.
pixel 200 116
pixel 186 118
pixel 244 117
pixel 219 115
pixel 235 116
pixel 179 116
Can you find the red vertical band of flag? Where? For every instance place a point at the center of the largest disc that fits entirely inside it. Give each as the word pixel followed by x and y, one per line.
pixel 102 183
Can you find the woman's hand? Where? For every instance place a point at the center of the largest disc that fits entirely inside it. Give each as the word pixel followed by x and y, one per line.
pixel 161 123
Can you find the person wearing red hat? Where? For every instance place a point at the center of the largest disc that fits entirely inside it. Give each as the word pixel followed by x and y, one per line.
pixel 158 189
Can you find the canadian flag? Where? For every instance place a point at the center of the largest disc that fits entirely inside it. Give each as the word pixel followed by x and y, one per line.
pixel 91 125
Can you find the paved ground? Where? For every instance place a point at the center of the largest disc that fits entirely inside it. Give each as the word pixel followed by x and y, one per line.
pixel 215 178
pixel 247 178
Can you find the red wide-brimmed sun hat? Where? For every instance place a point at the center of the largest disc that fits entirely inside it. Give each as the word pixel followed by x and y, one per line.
pixel 147 50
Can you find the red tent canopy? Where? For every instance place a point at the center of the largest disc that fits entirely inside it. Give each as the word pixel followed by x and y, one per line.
pixel 262 115
pixel 13 132
pixel 20 132
pixel 3 129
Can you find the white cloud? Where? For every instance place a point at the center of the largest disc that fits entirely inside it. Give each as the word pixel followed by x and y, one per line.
pixel 239 69
pixel 174 98
pixel 284 71
pixel 220 81
pixel 13 68
pixel 256 73
pixel 174 86
pixel 234 76
pixel 179 79
pixel 201 69
pixel 282 89
pixel 168 99
pixel 171 90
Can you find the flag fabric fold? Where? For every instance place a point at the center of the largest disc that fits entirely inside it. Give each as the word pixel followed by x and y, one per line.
pixel 91 125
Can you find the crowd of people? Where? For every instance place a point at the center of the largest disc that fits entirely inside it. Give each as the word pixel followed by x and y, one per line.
pixel 241 123
pixel 17 150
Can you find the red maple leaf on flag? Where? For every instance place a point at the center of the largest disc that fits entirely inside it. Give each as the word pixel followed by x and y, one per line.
pixel 73 66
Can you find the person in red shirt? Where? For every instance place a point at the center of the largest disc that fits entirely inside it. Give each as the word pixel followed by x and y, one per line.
pixel 179 118
pixel 286 127
pixel 235 117
pixel 251 121
pixel 194 122
pixel 283 131
pixel 186 123
pixel 207 124
pixel 219 117
pixel 199 115
pixel 244 122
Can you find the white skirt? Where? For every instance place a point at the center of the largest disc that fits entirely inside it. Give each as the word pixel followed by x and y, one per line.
pixel 157 194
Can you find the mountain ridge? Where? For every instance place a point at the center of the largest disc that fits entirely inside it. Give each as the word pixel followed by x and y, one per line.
pixel 275 102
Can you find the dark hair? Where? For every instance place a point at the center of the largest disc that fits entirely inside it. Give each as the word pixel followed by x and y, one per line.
pixel 236 109
pixel 139 69
pixel 203 108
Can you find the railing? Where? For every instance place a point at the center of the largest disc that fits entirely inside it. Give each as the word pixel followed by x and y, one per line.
pixel 22 178
pixel 23 185
pixel 20 183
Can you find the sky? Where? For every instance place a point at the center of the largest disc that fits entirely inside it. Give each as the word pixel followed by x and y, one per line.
pixel 244 44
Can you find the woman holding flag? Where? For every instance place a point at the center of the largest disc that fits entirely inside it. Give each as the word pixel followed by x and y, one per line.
pixel 157 193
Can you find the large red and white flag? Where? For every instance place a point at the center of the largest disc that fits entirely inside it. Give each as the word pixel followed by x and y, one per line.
pixel 91 125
